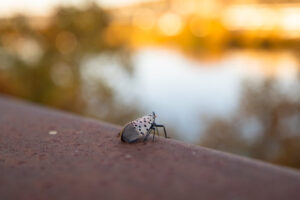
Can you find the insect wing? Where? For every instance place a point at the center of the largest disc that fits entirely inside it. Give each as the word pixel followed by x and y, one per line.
pixel 129 134
pixel 143 124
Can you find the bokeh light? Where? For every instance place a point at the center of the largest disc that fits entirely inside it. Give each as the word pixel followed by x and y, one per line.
pixel 170 24
pixel 222 74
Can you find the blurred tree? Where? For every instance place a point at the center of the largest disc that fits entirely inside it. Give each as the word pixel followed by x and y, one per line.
pixel 41 59
pixel 266 126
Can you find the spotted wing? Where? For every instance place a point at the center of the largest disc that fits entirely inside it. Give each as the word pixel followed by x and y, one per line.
pixel 143 124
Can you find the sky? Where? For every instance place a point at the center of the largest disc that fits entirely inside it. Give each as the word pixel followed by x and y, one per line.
pixel 44 7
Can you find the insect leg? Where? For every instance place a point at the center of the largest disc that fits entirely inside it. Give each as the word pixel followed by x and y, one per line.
pixel 153 128
pixel 159 125
pixel 153 134
pixel 157 131
pixel 147 135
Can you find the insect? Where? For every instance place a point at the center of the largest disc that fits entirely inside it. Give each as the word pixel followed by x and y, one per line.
pixel 140 129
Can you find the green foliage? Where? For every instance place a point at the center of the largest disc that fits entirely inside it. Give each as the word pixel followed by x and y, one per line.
pixel 273 120
pixel 41 58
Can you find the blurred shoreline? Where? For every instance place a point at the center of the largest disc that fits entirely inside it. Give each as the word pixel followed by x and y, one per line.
pixel 225 73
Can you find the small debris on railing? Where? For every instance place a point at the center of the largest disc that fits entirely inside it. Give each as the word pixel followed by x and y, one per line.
pixel 52 132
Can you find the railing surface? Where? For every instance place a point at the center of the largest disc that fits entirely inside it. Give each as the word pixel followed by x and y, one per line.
pixel 48 154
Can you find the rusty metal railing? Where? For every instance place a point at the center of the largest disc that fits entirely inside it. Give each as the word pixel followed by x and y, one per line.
pixel 48 154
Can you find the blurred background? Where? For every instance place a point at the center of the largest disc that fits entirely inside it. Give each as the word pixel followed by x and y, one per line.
pixel 218 73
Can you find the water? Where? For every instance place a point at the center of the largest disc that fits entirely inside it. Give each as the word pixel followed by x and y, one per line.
pixel 184 91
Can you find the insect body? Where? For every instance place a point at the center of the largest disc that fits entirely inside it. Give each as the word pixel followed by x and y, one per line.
pixel 140 129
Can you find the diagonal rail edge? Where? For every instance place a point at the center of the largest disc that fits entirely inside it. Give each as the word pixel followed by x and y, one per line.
pixel 85 160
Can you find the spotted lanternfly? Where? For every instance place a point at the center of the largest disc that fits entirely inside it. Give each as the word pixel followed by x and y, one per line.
pixel 140 129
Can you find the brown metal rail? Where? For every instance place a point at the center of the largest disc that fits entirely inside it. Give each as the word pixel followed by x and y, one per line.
pixel 47 154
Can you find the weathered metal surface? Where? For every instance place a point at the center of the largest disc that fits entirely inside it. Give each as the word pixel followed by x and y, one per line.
pixel 46 154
